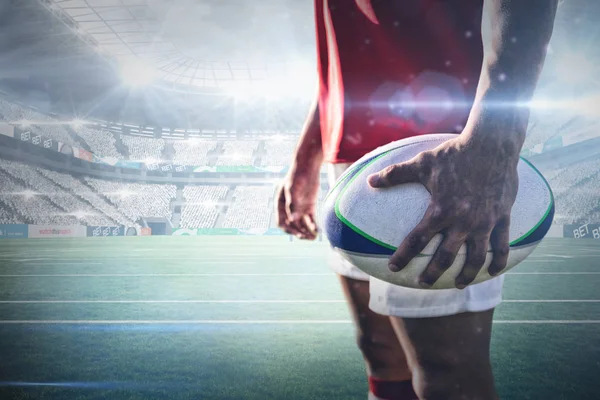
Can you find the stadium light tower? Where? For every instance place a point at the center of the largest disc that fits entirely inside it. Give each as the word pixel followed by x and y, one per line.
pixel 77 123
pixel 136 73
pixel 28 194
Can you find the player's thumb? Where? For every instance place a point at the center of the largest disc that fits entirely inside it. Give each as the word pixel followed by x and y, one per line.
pixel 393 175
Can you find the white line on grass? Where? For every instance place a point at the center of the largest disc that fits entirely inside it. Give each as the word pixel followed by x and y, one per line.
pixel 555 256
pixel 170 301
pixel 549 321
pixel 84 263
pixel 60 263
pixel 238 301
pixel 248 322
pixel 244 274
pixel 154 275
pixel 550 301
pixel 193 256
pixel 555 273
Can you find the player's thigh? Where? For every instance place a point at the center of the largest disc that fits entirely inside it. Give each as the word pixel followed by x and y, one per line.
pixel 374 331
pixel 456 346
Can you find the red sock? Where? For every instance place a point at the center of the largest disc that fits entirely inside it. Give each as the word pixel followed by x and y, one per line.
pixel 392 390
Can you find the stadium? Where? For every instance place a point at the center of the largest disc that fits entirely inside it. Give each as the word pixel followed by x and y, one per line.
pixel 143 140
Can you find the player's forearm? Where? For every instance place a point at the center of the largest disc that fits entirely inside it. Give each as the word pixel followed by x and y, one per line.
pixel 516 34
pixel 309 152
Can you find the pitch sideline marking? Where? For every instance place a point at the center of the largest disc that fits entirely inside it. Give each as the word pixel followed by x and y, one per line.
pixel 249 322
pixel 150 275
pixel 243 301
pixel 249 274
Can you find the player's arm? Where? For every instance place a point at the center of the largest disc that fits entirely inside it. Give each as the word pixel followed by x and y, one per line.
pixel 309 151
pixel 297 197
pixel 473 179
pixel 515 39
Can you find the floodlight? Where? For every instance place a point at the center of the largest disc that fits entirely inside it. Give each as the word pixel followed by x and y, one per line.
pixel 81 214
pixel 77 123
pixel 125 193
pixel 136 73
pixel 28 194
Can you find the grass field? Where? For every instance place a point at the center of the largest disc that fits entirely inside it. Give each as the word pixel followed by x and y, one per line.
pixel 254 318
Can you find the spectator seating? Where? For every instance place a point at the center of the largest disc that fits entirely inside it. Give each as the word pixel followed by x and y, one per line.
pixel 251 207
pixel 193 151
pixel 137 200
pixel 238 152
pixel 278 152
pixel 100 141
pixel 144 149
pixel 201 205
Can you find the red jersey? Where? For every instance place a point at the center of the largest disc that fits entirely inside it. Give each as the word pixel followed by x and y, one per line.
pixel 391 69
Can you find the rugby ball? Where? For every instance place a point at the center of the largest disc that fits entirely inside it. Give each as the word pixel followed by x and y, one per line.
pixel 366 225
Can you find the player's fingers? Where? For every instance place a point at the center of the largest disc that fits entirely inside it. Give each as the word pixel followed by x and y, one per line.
pixel 281 210
pixel 287 230
pixel 294 217
pixel 296 229
pixel 395 175
pixel 500 246
pixel 412 245
pixel 442 260
pixel 298 221
pixel 433 222
pixel 311 225
pixel 476 253
pixel 283 218
pixel 305 226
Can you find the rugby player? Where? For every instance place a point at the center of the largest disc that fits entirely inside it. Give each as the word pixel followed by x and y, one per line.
pixel 391 69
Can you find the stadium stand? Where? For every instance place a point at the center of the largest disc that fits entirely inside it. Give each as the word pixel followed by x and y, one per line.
pixel 200 208
pixel 144 149
pixel 10 111
pixel 576 191
pixel 34 208
pixel 574 174
pixel 193 151
pixel 63 200
pixel 101 142
pixel 37 122
pixel 278 152
pixel 137 200
pixel 250 208
pixel 54 131
pixel 6 217
pixel 238 152
pixel 578 204
pixel 68 199
pixel 78 188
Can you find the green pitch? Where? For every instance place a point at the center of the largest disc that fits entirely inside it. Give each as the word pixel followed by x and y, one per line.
pixel 254 318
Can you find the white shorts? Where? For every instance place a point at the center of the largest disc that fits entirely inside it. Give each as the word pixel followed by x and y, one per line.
pixel 388 299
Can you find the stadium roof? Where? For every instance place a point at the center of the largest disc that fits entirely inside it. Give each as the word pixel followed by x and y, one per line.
pixel 58 56
pixel 199 43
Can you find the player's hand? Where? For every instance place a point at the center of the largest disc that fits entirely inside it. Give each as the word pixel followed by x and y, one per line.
pixel 297 203
pixel 473 188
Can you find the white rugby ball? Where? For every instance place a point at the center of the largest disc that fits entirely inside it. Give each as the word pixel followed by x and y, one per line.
pixel 366 225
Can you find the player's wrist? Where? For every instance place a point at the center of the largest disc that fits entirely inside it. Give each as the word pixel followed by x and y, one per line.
pixel 497 124
pixel 308 156
pixel 307 165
